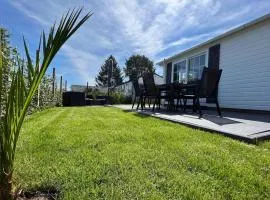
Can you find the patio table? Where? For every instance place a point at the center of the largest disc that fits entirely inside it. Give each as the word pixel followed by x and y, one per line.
pixel 175 89
pixel 177 86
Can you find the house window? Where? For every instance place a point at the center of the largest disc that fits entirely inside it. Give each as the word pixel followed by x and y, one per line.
pixel 195 67
pixel 179 71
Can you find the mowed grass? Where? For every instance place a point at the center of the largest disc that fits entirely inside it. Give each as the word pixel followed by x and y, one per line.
pixel 106 153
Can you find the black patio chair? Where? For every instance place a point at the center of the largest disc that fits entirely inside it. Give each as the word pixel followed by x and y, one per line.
pixel 152 92
pixel 177 94
pixel 207 88
pixel 139 92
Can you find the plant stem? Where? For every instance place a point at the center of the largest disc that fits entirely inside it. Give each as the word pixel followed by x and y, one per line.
pixel 6 186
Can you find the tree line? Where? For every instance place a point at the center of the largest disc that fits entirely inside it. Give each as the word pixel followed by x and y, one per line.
pixel 135 65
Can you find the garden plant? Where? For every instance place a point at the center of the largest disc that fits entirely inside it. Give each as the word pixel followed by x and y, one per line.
pixel 20 94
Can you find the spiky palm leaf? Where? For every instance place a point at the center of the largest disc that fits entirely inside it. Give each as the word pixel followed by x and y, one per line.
pixel 20 96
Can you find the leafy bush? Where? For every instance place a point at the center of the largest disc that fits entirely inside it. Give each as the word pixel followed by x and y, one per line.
pixel 46 97
pixel 11 60
pixel 93 93
pixel 118 98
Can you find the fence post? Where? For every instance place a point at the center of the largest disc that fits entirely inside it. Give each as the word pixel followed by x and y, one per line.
pixel 65 85
pixel 53 82
pixel 61 84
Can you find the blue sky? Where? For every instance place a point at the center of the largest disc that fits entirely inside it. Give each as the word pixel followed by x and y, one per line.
pixel 155 28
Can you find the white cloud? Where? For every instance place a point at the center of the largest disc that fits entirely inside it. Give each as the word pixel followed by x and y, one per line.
pixel 194 39
pixel 152 27
pixel 20 6
pixel 131 17
pixel 83 62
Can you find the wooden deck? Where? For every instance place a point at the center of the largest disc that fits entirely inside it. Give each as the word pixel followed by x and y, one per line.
pixel 244 126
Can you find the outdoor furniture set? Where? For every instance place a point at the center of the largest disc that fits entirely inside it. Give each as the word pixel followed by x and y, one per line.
pixel 177 94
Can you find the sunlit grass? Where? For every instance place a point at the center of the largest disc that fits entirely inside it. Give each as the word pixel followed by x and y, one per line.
pixel 106 153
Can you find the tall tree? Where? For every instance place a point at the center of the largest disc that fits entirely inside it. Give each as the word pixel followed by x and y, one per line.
pixel 102 77
pixel 137 65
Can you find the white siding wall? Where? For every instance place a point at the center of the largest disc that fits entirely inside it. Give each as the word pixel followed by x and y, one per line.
pixel 164 73
pixel 245 60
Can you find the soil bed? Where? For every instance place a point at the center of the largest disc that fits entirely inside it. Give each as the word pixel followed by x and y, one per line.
pixel 40 194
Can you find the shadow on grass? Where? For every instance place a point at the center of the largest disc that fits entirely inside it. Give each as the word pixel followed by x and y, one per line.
pixel 137 114
pixel 44 193
pixel 129 110
pixel 142 115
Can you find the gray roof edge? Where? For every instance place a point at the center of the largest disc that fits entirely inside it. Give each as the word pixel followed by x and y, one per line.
pixel 223 35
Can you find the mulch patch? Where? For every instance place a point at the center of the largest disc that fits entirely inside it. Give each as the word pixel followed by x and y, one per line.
pixel 39 194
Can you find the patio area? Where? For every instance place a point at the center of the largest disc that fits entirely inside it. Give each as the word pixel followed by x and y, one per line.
pixel 244 126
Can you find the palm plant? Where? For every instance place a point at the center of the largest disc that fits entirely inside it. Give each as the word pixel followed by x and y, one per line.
pixel 23 89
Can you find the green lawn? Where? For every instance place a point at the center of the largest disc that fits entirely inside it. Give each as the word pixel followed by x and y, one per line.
pixel 106 153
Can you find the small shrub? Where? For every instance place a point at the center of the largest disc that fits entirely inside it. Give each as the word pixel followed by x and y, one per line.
pixel 118 98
